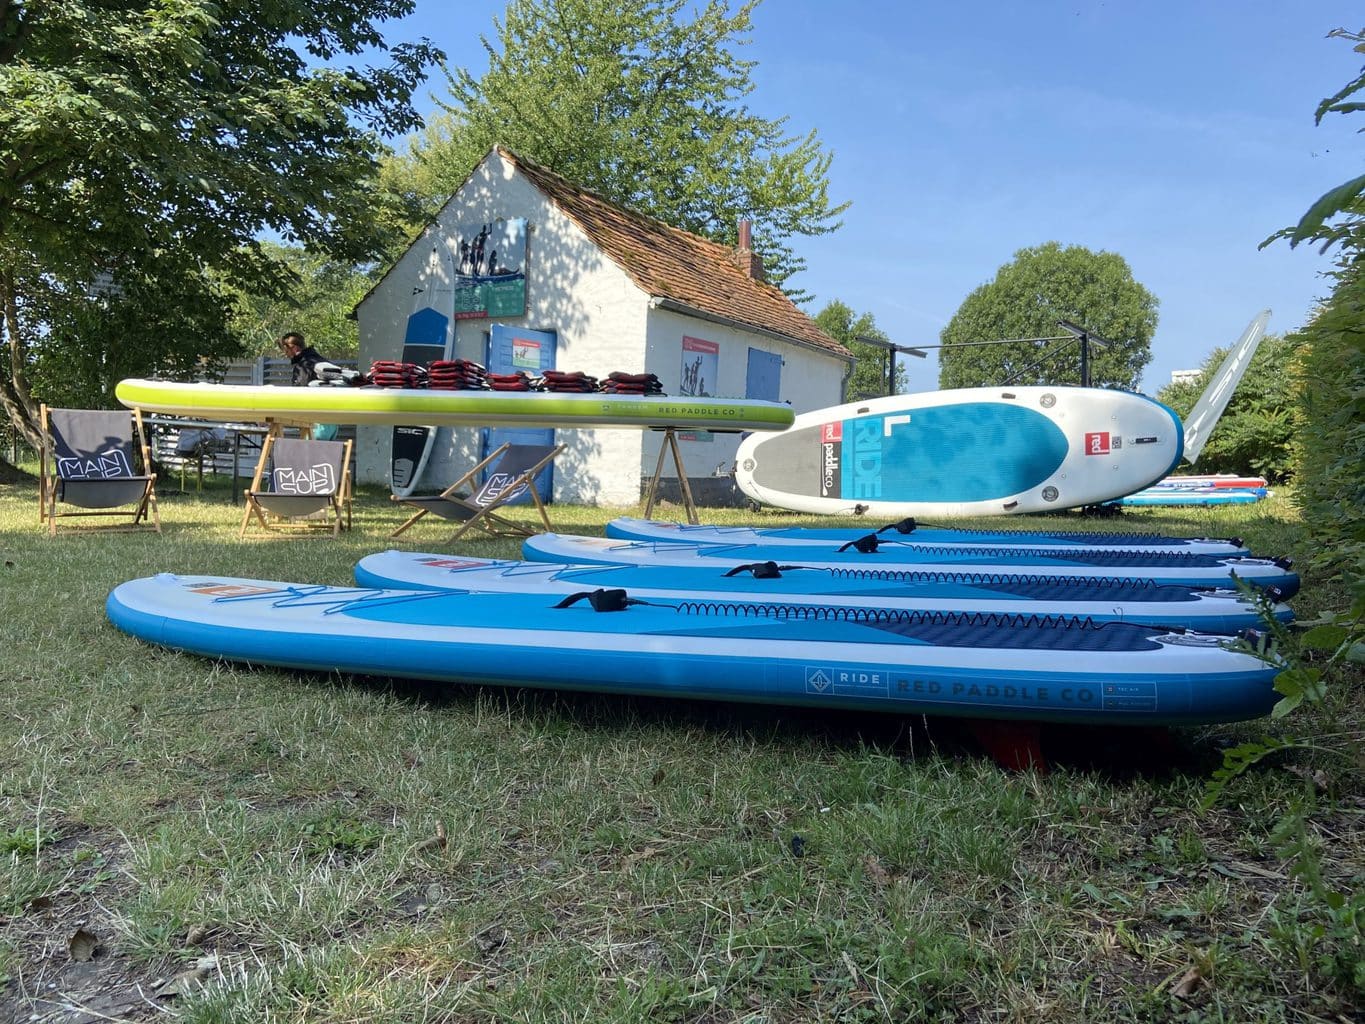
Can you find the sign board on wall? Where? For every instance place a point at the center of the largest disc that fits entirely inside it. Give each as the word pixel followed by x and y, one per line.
pixel 700 363
pixel 700 373
pixel 526 354
pixel 490 269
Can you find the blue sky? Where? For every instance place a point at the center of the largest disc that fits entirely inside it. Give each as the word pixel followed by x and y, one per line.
pixel 1177 134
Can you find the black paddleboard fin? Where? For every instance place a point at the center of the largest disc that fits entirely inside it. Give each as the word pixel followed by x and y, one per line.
pixel 863 545
pixel 602 600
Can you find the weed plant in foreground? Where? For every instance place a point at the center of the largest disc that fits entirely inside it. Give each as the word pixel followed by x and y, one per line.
pixel 228 843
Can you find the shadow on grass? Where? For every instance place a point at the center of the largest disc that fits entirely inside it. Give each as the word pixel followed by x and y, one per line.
pixel 1114 753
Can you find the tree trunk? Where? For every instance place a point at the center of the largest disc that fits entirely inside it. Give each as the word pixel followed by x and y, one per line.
pixel 14 394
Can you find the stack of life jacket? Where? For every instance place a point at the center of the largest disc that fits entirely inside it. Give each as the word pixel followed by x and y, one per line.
pixel 457 375
pixel 618 383
pixel 518 381
pixel 389 373
pixel 561 382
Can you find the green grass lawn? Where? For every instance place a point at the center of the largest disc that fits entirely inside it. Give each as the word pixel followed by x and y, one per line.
pixel 227 843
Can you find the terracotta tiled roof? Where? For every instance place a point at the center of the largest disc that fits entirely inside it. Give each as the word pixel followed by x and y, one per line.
pixel 674 264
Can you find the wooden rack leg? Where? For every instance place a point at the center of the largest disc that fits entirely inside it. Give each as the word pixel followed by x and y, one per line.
pixel 683 485
pixel 653 493
pixel 670 444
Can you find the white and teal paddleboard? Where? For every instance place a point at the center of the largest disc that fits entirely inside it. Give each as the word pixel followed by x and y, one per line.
pixel 964 452
pixel 1001 667
pixel 1213 611
pixel 1170 568
pixel 913 533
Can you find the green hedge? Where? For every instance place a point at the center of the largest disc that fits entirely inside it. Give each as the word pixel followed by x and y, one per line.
pixel 1331 447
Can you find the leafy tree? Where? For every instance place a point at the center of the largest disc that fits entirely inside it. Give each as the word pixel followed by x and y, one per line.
pixel 92 338
pixel 318 305
pixel 150 144
pixel 1257 429
pixel 1346 202
pixel 1323 678
pixel 642 102
pixel 1026 299
pixel 869 373
pixel 1330 454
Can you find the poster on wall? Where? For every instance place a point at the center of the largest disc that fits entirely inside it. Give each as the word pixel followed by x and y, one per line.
pixel 526 354
pixel 700 362
pixel 490 269
pixel 700 369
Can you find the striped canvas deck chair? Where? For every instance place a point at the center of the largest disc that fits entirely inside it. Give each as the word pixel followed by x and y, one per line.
pixel 511 472
pixel 300 485
pixel 98 463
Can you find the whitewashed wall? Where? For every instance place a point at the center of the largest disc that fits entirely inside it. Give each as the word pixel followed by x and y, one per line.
pixel 603 322
pixel 810 380
pixel 594 309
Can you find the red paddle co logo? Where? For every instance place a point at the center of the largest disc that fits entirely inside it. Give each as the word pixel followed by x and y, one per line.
pixel 1097 443
pixel 831 449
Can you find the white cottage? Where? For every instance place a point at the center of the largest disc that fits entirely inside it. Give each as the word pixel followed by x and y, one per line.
pixel 571 282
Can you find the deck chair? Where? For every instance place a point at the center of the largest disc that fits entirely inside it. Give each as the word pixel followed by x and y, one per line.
pixel 88 461
pixel 309 486
pixel 512 470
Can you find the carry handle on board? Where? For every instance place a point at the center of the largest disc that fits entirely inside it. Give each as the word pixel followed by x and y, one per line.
pixel 906 525
pixel 602 600
pixel 863 545
pixel 763 570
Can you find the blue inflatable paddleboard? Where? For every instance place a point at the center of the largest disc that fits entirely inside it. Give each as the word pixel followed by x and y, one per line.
pixel 1004 667
pixel 1213 611
pixel 908 531
pixel 1157 567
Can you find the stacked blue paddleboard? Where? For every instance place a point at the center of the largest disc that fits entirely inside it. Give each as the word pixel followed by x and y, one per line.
pixel 912 534
pixel 1162 567
pixel 997 666
pixel 1038 627
pixel 1100 600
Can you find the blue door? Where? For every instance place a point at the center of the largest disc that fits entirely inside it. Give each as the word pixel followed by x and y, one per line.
pixel 511 349
pixel 763 378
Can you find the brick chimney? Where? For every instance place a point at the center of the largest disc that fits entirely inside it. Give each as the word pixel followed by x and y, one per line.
pixel 744 256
